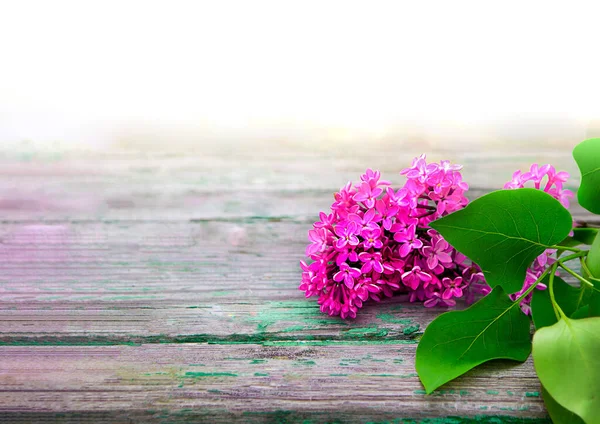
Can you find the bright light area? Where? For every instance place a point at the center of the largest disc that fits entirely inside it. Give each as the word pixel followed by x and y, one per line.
pixel 89 72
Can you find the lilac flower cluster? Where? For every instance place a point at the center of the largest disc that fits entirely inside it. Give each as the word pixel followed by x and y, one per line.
pixel 376 242
pixel 553 184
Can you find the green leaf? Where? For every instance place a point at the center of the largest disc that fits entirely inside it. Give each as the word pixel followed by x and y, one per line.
pixel 565 356
pixel 587 156
pixel 593 258
pixel 569 299
pixel 595 305
pixel 504 231
pixel 583 312
pixel 559 414
pixel 457 341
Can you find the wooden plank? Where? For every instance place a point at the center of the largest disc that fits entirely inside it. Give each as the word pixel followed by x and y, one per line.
pixel 220 185
pixel 376 382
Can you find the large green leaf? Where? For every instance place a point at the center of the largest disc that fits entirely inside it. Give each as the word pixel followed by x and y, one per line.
pixel 566 360
pixel 457 341
pixel 568 297
pixel 504 231
pixel 587 156
pixel 559 414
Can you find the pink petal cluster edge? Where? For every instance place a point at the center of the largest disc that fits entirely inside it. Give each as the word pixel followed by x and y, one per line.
pixel 376 242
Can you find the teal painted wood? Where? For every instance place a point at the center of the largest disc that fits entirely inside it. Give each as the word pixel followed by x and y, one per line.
pixel 165 288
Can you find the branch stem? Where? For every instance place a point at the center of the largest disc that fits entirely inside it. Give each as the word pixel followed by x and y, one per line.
pixel 574 274
pixel 557 310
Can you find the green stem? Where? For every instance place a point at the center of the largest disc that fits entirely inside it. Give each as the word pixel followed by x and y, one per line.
pixel 530 289
pixel 574 274
pixel 557 311
pixel 572 249
pixel 585 267
pixel 574 256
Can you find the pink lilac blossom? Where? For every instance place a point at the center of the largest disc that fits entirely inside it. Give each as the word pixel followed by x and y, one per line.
pixel 376 243
pixel 547 179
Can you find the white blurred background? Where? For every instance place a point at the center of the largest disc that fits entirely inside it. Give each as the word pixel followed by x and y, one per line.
pixel 175 74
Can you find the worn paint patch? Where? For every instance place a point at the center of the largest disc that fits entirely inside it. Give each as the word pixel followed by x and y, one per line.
pixel 261 338
pixel 532 394
pixel 305 362
pixel 261 374
pixel 411 329
pixel 351 360
pixel 307 313
pixel 366 332
pixel 193 374
pixel 478 419
pixel 444 392
pixel 391 319
pixel 492 392
pixel 220 293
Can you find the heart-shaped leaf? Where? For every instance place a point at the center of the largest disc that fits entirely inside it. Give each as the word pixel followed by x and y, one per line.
pixel 569 299
pixel 559 414
pixel 457 341
pixel 504 231
pixel 565 356
pixel 587 156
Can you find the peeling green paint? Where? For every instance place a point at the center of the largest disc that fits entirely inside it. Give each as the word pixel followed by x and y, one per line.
pixel 261 374
pixel 443 392
pixel 478 419
pixel 492 392
pixel 220 293
pixel 191 374
pixel 307 313
pixel 391 319
pixel 264 339
pixel 411 329
pixel 306 362
pixel 366 332
pixel 532 394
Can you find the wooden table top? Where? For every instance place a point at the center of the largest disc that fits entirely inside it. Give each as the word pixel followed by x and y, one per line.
pixel 162 287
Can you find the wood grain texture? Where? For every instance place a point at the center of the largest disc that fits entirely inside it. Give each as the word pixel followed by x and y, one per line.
pixel 164 289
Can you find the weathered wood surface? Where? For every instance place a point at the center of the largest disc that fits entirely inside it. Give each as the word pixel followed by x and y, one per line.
pixel 164 288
